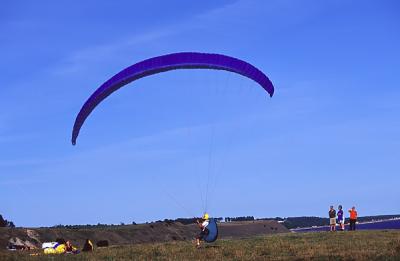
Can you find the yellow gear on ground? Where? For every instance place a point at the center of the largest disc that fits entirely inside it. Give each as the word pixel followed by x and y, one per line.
pixel 60 249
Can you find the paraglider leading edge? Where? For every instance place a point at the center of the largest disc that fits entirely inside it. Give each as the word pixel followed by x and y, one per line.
pixel 184 60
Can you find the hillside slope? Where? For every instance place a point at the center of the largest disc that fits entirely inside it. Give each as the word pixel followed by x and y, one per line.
pixel 135 234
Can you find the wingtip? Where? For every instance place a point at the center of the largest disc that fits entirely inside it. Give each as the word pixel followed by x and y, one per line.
pixel 271 94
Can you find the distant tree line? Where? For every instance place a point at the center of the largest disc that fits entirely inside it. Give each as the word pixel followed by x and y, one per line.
pixel 187 221
pixel 5 222
pixel 184 221
pixel 233 219
pixel 98 225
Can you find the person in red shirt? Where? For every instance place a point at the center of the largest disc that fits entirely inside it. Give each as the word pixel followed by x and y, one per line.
pixel 353 218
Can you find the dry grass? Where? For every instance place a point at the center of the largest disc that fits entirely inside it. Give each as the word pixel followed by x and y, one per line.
pixel 359 245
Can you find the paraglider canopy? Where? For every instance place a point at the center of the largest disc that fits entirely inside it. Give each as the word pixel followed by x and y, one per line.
pixel 185 60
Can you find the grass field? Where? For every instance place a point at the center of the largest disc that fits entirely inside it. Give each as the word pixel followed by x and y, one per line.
pixel 359 245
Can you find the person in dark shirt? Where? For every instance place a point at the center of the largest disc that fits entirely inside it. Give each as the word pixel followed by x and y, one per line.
pixel 340 217
pixel 332 218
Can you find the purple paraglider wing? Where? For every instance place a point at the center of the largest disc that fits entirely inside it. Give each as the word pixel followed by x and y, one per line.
pixel 187 60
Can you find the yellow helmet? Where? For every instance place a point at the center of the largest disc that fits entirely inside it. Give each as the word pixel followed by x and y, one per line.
pixel 205 216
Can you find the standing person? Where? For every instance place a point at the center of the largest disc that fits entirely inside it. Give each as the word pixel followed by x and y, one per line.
pixel 332 218
pixel 353 218
pixel 340 217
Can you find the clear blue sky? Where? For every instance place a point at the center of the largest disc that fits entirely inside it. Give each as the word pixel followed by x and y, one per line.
pixel 329 136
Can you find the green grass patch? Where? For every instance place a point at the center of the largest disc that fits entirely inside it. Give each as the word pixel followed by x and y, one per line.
pixel 358 245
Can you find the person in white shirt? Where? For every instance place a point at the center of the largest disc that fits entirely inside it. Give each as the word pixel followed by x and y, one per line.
pixel 203 223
